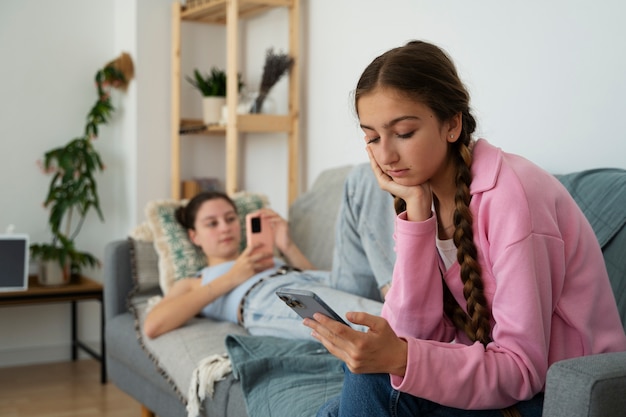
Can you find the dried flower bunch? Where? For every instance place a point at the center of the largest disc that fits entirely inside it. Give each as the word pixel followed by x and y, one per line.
pixel 73 189
pixel 276 65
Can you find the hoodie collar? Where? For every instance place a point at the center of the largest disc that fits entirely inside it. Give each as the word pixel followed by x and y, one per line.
pixel 486 164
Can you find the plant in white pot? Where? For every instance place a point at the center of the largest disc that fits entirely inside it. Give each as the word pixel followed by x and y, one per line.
pixel 212 86
pixel 73 190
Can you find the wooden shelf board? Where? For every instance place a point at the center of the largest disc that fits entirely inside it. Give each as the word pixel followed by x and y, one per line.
pixel 193 123
pixel 264 123
pixel 246 123
pixel 215 11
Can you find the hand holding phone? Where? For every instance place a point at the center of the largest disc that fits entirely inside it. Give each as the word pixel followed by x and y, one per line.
pixel 306 303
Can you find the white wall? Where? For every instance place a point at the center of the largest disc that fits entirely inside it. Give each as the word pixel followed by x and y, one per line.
pixel 546 80
pixel 50 53
pixel 49 58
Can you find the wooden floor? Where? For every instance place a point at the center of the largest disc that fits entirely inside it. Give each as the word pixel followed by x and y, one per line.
pixel 64 389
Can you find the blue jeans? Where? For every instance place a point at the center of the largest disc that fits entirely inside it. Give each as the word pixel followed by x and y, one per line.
pixel 364 255
pixel 363 261
pixel 372 395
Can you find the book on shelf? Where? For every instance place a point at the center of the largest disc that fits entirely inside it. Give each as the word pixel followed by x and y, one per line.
pixel 199 184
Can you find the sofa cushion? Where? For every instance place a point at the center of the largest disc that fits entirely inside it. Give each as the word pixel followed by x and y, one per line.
pixel 181 355
pixel 178 257
pixel 144 265
pixel 601 195
pixel 314 214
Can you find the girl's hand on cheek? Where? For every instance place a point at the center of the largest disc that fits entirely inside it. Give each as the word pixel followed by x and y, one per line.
pixel 385 182
pixel 418 197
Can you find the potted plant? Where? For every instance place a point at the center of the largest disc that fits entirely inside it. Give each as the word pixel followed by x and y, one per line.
pixel 73 190
pixel 212 86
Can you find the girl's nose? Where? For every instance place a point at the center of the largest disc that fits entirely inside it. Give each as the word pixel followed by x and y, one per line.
pixel 386 153
pixel 223 225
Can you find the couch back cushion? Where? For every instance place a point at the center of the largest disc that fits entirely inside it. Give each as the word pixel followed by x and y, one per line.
pixel 312 217
pixel 601 195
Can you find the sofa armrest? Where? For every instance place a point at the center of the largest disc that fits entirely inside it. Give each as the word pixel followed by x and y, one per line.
pixel 118 278
pixel 590 386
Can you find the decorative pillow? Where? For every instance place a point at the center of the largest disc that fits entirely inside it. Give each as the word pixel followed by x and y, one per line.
pixel 178 256
pixel 144 264
pixel 142 232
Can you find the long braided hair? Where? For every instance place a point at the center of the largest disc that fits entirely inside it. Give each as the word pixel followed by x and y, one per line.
pixel 425 73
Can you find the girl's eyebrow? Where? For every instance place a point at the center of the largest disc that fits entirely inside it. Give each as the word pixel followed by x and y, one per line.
pixel 392 122
pixel 210 217
pixel 205 218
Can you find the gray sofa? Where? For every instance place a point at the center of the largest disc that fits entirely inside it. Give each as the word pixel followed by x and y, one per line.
pixel 589 386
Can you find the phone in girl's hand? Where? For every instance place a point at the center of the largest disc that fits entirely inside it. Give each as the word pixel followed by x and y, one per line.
pixel 258 230
pixel 306 303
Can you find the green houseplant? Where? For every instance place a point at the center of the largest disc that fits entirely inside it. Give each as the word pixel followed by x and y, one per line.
pixel 212 86
pixel 209 85
pixel 73 191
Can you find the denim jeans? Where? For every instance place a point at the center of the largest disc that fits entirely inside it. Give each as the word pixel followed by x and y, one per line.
pixel 266 315
pixel 363 261
pixel 372 395
pixel 364 255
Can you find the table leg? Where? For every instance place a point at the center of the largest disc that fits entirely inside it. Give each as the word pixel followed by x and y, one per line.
pixel 74 333
pixel 103 366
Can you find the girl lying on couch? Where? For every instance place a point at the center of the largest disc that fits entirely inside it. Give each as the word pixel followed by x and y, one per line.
pixel 239 286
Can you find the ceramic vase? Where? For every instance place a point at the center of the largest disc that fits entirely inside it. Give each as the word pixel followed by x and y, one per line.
pixel 51 274
pixel 212 109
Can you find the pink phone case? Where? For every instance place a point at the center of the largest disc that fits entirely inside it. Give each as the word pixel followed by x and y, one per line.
pixel 258 230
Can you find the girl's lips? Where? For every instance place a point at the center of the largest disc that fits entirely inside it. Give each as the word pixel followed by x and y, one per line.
pixel 397 173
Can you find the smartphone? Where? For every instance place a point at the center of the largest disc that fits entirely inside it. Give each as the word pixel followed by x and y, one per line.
pixel 306 303
pixel 258 230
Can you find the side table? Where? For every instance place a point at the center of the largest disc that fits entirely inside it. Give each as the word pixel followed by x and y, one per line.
pixel 79 289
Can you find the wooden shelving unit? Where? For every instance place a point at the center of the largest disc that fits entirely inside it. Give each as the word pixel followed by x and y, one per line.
pixel 229 13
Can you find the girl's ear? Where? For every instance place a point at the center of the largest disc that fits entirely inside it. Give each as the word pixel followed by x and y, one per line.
pixel 455 125
pixel 192 236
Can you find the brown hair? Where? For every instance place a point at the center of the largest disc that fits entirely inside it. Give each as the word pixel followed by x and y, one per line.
pixel 186 215
pixel 424 73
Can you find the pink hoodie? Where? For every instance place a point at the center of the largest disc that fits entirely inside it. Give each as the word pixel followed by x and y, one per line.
pixel 544 278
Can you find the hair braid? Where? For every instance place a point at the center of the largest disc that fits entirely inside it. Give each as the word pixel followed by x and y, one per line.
pixel 477 325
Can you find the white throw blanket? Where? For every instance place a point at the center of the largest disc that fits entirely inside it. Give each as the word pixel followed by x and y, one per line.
pixel 209 370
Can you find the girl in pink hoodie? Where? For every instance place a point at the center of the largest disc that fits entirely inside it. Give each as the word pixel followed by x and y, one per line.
pixel 498 273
